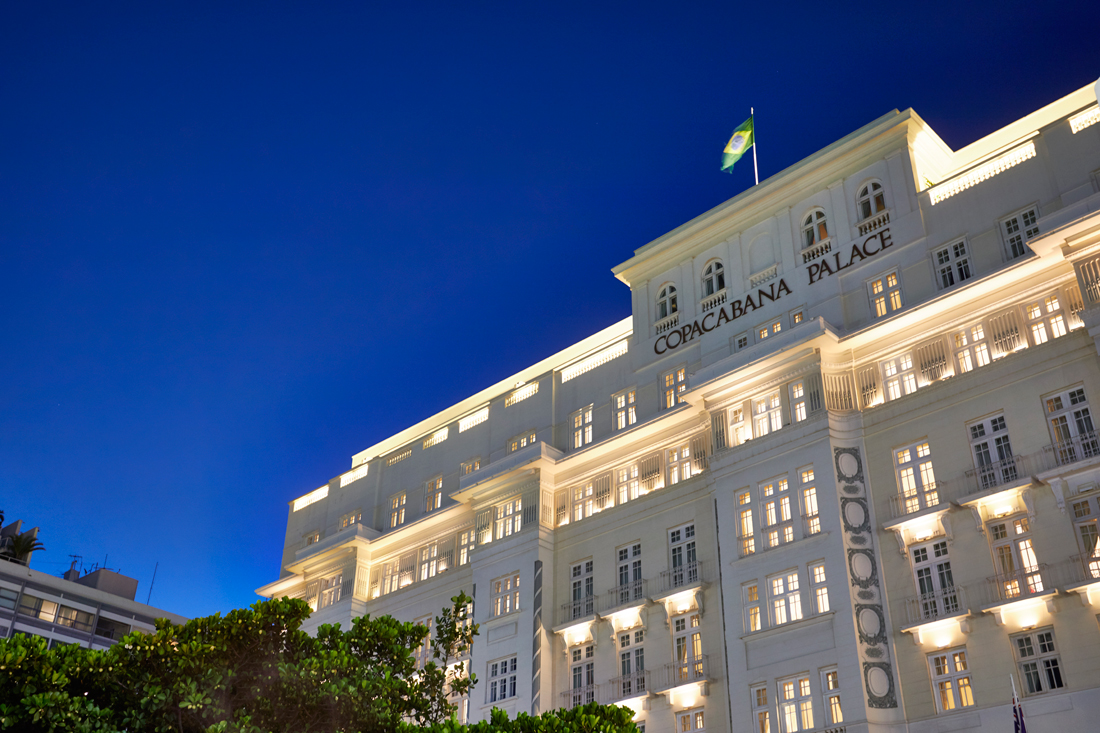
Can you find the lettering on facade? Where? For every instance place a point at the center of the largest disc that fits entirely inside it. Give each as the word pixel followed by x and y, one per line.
pixel 871 246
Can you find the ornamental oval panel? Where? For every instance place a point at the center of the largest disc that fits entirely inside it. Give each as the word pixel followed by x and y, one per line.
pixel 878 681
pixel 854 513
pixel 869 623
pixel 862 566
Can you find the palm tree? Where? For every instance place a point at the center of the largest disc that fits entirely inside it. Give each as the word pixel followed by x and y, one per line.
pixel 19 548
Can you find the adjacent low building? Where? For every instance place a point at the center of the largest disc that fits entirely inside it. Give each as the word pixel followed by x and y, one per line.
pixel 837 471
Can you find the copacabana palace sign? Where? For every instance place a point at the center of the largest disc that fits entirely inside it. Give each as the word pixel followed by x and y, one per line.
pixel 871 246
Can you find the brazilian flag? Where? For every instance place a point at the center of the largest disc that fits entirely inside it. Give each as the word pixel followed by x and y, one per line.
pixel 741 141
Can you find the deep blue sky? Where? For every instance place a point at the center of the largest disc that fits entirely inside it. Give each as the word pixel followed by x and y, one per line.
pixel 239 244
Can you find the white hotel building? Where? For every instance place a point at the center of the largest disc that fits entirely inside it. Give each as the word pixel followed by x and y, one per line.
pixel 837 471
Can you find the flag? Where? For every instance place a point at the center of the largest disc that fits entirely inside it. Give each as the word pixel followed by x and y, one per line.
pixel 1018 716
pixel 741 141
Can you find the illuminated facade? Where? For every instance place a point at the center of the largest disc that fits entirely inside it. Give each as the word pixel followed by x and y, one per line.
pixel 838 470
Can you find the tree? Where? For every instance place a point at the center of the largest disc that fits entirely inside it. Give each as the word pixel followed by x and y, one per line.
pixel 20 547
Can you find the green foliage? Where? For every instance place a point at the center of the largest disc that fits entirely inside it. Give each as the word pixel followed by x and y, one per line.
pixel 590 718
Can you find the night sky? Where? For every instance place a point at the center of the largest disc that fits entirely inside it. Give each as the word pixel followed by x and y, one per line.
pixel 239 244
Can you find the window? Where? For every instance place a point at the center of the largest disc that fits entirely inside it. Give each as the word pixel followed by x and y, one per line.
pixel 916 479
pixel 776 513
pixel 632 664
pixel 766 414
pixel 423 653
pixel 509 518
pixel 465 546
pixel 584 675
pixel 433 494
pixel 797 317
pixel 690 720
pixel 581 422
pixel 666 302
pixel 750 595
pixel 975 350
pixel 1014 557
pixel 584 600
pixel 870 201
pixel 1071 429
pixel 899 376
pixel 584 501
pixel 885 294
pixel 630 573
pixel 1084 526
pixel 796 707
pixel 740 341
pixel 674 385
pixel 762 332
pixel 761 713
pixel 429 561
pixel 952 264
pixel 1040 668
pixel 687 644
pixel 626 413
pixel 818 588
pixel 740 430
pixel 505 595
pixel 330 590
pixel 814 229
pixel 682 560
pixel 786 601
pixel 714 279
pixel 951 680
pixel 468 467
pixel 628 486
pixel 745 527
pixel 397 510
pixel 349 519
pixel 1017 229
pixel 993 458
pixel 679 464
pixel 313 538
pixel 521 441
pixel 502 679
pixel 935 581
pixel 810 516
pixel 830 690
pixel 798 401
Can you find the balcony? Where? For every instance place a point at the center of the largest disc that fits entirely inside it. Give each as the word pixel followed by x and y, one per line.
pixel 873 223
pixel 625 687
pixel 1018 585
pixel 578 611
pixel 687 671
pixel 1079 448
pixel 681 578
pixel 940 604
pixel 625 596
pixel 934 496
pixel 818 249
pixel 667 323
pixel 713 301
pixel 999 473
pixel 578 696
pixel 764 276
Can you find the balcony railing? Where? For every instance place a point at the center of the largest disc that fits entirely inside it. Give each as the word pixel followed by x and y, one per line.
pixel 713 301
pixel 933 495
pixel 578 696
pixel 691 669
pixel 1077 448
pixel 684 576
pixel 1019 584
pixel 630 594
pixel 998 473
pixel 937 604
pixel 819 249
pixel 667 323
pixel 1085 567
pixel 873 223
pixel 627 686
pixel 577 610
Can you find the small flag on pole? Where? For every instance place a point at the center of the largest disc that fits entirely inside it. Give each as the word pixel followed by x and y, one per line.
pixel 741 141
pixel 1017 715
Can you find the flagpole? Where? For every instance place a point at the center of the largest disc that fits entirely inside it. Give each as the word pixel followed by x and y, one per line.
pixel 755 170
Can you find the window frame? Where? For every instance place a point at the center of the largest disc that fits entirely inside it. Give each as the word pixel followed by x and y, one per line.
pixel 433 494
pixel 798 706
pixel 504 595
pixel 667 302
pixel 952 677
pixel 1049 658
pixel 1016 231
pixel 624 409
pixel 873 195
pixel 885 290
pixel 673 384
pixel 949 263
pixel 713 279
pixel 814 228
pixel 580 425
pixel 784 604
pixel 505 675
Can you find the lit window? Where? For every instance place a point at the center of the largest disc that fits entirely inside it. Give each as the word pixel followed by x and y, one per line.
pixel 584 675
pixel 682 559
pixel 522 441
pixel 687 645
pixel 776 513
pixel 814 229
pixel 1014 558
pixel 666 302
pixel 1017 230
pixel 751 604
pixel 468 467
pixel 679 464
pixel 899 376
pixel 581 422
pixel 935 580
pixel 951 680
pixel 974 349
pixel 628 487
pixel 505 595
pixel 433 494
pixel 745 527
pixel 796 707
pixel 766 414
pixel 509 519
pixel 830 690
pixel 885 294
pixel 465 546
pixel 674 385
pixel 952 264
pixel 994 462
pixel 761 712
pixel 349 519
pixel 797 318
pixel 916 479
pixel 739 429
pixel 397 510
pixel 1040 667
pixel 626 412
pixel 429 561
pixel 313 538
pixel 818 588
pixel 423 653
pixel 870 201
pixel 689 721
pixel 714 279
pixel 786 601
pixel 502 679
pixel 768 329
pixel 810 516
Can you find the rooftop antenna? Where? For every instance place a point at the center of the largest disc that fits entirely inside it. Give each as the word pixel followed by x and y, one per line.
pixel 151 583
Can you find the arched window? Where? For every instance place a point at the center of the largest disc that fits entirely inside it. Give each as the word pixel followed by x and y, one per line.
pixel 814 228
pixel 666 301
pixel 870 201
pixel 714 279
